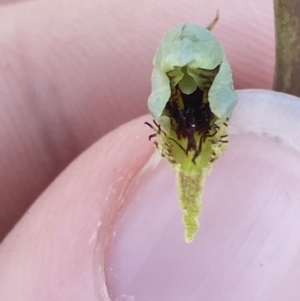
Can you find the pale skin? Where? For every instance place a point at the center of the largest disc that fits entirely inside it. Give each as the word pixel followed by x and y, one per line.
pixel 69 76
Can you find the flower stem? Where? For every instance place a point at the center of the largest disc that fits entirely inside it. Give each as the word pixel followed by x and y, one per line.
pixel 287 33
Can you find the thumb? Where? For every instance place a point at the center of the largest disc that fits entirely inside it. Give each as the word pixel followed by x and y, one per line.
pixel 247 247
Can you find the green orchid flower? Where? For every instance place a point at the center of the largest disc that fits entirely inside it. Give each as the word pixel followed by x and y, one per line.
pixel 192 100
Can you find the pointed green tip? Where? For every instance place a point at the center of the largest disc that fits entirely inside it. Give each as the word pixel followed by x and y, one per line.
pixel 189 239
pixel 191 224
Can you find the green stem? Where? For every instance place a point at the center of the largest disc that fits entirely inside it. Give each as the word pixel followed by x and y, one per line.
pixel 287 33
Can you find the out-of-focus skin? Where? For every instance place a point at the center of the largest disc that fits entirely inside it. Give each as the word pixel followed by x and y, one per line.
pixel 70 72
pixel 73 70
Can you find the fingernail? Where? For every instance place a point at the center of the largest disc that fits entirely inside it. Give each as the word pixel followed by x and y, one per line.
pixel 250 215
